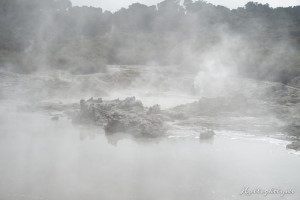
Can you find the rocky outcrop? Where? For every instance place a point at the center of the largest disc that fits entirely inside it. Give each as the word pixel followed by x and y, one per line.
pixel 128 116
pixel 294 145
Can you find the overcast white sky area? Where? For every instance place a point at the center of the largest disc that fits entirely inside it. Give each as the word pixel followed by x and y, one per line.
pixel 114 5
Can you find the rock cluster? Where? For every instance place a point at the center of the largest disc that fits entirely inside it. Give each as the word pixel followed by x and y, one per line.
pixel 128 116
pixel 294 145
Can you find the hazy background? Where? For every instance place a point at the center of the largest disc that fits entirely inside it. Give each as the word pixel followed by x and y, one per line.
pixel 114 5
pixel 254 41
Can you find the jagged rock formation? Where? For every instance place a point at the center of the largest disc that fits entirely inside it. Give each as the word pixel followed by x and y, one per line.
pixel 128 116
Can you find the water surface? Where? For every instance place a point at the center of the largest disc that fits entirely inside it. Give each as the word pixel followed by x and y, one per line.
pixel 55 160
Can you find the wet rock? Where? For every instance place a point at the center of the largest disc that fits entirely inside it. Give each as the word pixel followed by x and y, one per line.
pixel 294 145
pixel 131 104
pixel 144 125
pixel 127 116
pixel 207 134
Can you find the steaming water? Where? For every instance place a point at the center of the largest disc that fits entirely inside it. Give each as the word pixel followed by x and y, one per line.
pixel 56 160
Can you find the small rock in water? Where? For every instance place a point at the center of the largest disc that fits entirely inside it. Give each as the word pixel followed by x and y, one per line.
pixel 207 134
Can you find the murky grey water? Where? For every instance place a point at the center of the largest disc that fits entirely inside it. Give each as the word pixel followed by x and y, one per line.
pixel 55 160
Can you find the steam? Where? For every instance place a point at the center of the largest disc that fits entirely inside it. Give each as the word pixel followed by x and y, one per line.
pixel 209 46
pixel 208 67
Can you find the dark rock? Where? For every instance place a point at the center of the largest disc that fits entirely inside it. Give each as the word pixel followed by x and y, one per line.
pixel 207 134
pixel 127 116
pixel 131 104
pixel 142 125
pixel 294 145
